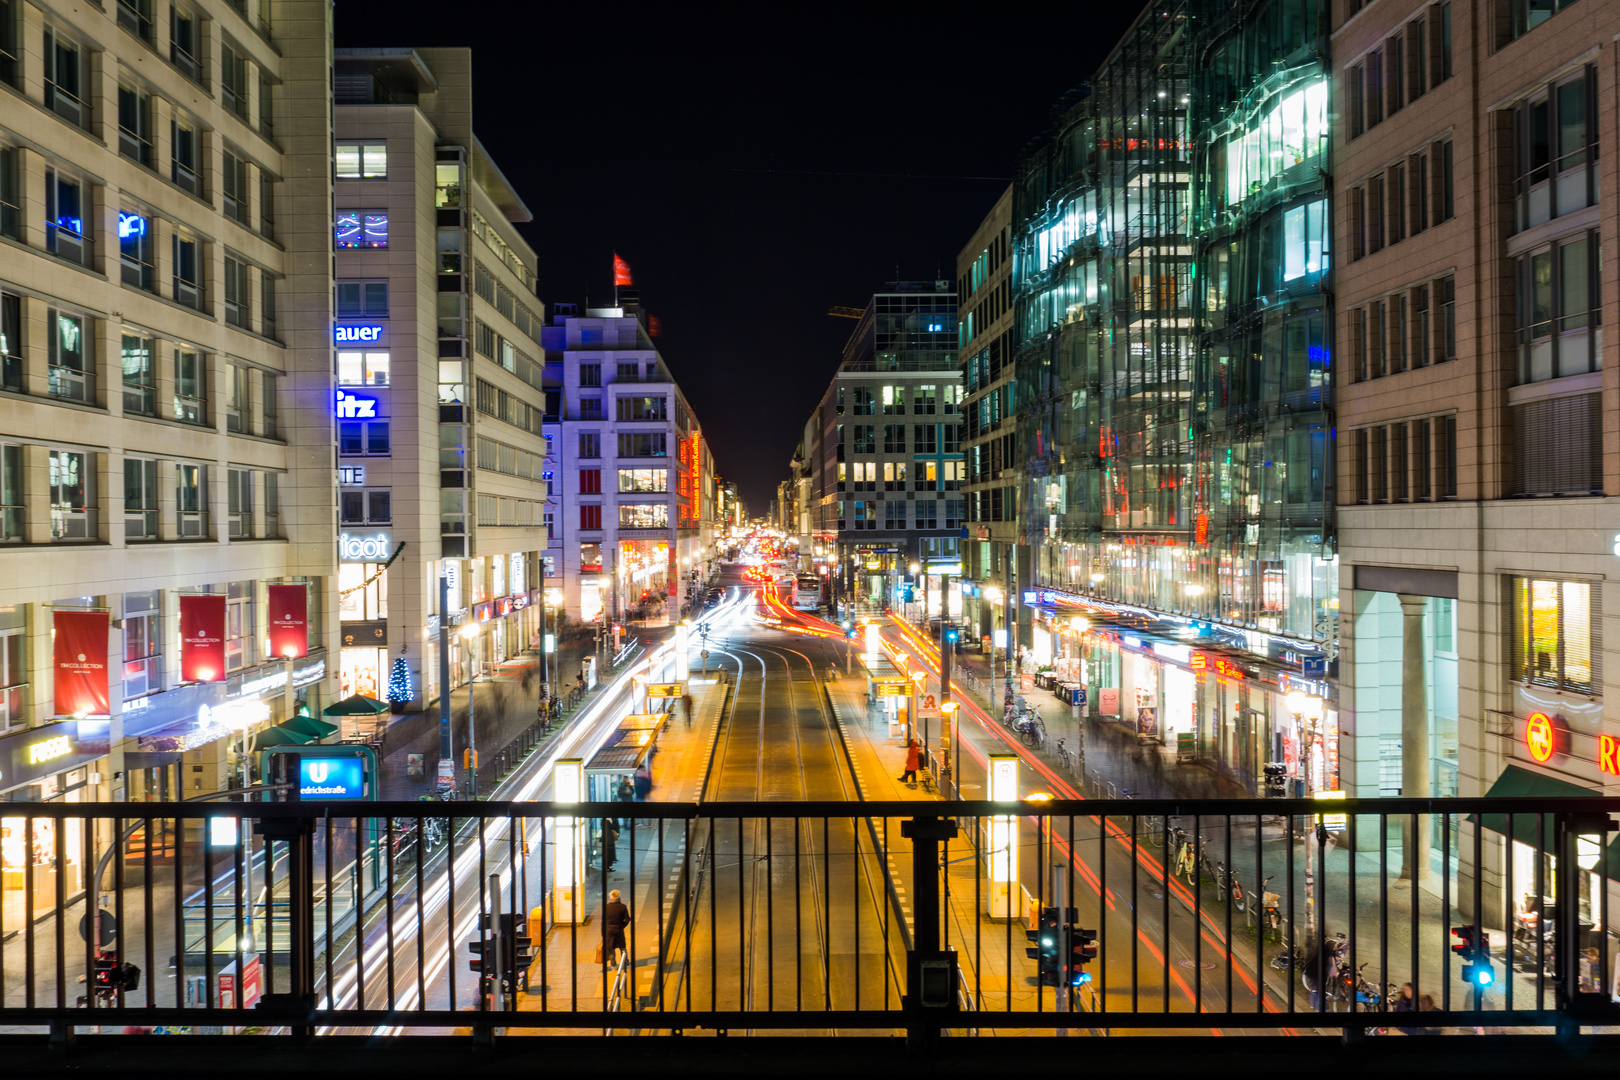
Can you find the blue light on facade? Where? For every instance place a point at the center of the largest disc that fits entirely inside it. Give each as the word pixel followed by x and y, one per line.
pixel 348 334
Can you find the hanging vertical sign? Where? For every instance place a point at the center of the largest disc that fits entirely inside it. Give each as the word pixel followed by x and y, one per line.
pixel 81 663
pixel 202 638
pixel 289 628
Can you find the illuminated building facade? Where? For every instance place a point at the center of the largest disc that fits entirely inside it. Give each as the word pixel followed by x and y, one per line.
pixel 1172 352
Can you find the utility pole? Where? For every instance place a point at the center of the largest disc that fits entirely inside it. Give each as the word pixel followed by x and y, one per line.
pixel 947 650
pixel 446 753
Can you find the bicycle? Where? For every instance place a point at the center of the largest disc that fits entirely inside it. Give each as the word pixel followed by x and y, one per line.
pixel 1186 864
pixel 1064 758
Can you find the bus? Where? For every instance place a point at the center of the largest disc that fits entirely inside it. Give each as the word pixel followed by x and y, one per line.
pixel 808 597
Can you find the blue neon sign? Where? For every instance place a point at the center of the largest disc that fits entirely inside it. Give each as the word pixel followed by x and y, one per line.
pixel 130 225
pixel 355 407
pixel 350 334
pixel 331 778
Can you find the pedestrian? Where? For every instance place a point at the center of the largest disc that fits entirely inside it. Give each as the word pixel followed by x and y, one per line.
pixel 1405 1003
pixel 610 843
pixel 643 780
pixel 913 754
pixel 626 791
pixel 615 917
pixel 1316 969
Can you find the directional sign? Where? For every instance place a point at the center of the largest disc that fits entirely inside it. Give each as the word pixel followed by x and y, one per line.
pixel 666 689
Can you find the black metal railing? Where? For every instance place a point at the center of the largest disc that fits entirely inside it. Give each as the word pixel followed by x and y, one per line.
pixel 1231 915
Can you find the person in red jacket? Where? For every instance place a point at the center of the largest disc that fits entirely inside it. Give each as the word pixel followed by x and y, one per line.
pixel 913 754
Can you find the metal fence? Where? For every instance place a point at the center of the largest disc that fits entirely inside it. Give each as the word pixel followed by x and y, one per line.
pixel 914 917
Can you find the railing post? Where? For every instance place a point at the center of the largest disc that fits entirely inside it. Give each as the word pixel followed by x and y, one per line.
pixel 299 835
pixel 930 996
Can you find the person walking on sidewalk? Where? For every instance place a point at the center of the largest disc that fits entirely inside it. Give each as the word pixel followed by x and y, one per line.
pixel 913 756
pixel 615 917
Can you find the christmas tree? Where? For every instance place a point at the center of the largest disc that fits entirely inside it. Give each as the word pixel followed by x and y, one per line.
pixel 399 683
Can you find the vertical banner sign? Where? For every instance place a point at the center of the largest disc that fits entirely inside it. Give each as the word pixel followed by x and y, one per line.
pixel 81 663
pixel 289 631
pixel 202 638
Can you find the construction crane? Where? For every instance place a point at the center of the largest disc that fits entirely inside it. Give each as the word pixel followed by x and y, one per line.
pixel 847 312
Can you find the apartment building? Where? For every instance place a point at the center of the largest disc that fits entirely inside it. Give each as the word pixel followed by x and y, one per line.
pixel 635 483
pixel 888 474
pixel 989 414
pixel 1476 479
pixel 440 372
pixel 165 423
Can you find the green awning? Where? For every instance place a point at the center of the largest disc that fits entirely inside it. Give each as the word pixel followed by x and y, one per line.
pixel 356 705
pixel 310 726
pixel 278 736
pixel 1522 783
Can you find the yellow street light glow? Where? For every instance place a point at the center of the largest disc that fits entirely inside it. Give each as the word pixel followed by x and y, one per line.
pixel 1038 797
pixel 470 630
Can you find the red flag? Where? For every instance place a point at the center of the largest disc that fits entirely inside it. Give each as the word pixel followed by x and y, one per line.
pixel 81 663
pixel 202 638
pixel 654 327
pixel 289 631
pixel 621 271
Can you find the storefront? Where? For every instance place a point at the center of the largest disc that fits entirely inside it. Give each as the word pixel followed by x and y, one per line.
pixel 60 762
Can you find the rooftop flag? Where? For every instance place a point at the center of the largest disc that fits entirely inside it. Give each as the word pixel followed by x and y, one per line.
pixel 621 271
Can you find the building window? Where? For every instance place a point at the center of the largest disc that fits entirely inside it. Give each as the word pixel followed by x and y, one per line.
pixel 1525 15
pixel 1554 146
pixel 590 445
pixel 187 272
pixel 953 513
pixel 272 505
pixel 239 503
pixel 894 438
pixel 237 284
pixel 233 81
pixel 644 481
pixel 362 368
pixel 590 517
pixel 136 251
pixel 863 438
pixel 644 516
pixel 136 17
pixel 234 187
pixel 183 37
pixel 590 374
pixel 236 398
pixel 590 481
pixel 10 197
pixel 269 410
pixel 143 645
pixel 11 492
pixel 628 372
pixel 362 299
pixel 183 155
pixel 643 444
pixel 13 670
pixel 642 408
pixel 1399 465
pixel 370 506
pixel 267 204
pixel 66 67
pixel 267 110
pixel 241 634
pixel 1374 67
pixel 362 161
pixel 189 386
pixel 590 408
pixel 1421 465
pixel 1440 41
pixel 72 367
pixel 135 124
pixel 1558 446
pixel 361 229
pixel 1305 240
pixel 191 501
pixel 1557 635
pixel 1358 89
pixel 363 437
pixel 1559 310
pixel 140 499
pixel 1363 493
pixel 865 401
pixel 894 515
pixel 67 233
pixel 73 505
pixel 924 438
pixel 894 475
pixel 267 304
pixel 139 357
pixel 894 400
pixel 1379 470
pixel 927 513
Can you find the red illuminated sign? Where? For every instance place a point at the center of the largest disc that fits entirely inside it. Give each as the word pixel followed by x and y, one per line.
pixel 1609 754
pixel 1220 665
pixel 1539 737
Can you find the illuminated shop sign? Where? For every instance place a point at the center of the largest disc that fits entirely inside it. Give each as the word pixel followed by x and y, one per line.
pixel 130 225
pixel 355 406
pixel 348 334
pixel 364 548
pixel 351 474
pixel 1220 665
pixel 50 749
pixel 1541 738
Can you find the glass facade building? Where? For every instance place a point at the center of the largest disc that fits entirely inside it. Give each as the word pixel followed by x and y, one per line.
pixel 1173 355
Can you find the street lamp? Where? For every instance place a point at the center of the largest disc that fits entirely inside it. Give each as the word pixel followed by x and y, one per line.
pixel 1307 707
pixel 469 632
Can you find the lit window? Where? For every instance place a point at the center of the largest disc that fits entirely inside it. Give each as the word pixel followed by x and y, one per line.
pixel 362 161
pixel 362 229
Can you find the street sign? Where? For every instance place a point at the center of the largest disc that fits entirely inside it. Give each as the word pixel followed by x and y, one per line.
pixel 1331 822
pixel 666 689
pixel 928 706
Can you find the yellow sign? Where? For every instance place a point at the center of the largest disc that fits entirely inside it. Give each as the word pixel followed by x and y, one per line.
pixel 666 689
pixel 891 687
pixel 1336 822
pixel 50 749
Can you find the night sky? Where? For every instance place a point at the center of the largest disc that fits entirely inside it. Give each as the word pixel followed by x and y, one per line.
pixel 755 166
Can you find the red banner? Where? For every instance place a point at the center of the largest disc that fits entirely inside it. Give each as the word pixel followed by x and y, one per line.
pixel 202 638
pixel 621 271
pixel 289 626
pixel 81 663
pixel 654 327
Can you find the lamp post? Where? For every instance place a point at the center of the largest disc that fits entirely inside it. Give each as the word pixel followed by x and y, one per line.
pixel 469 633
pixel 1307 707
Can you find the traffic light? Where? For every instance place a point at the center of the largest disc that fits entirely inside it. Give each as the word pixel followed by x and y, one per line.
pixel 1079 950
pixel 1474 946
pixel 1048 950
pixel 951 634
pixel 516 956
pixel 483 951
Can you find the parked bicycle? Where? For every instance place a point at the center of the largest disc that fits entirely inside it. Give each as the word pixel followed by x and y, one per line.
pixel 1267 910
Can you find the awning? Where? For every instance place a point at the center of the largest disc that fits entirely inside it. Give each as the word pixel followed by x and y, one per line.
pixel 1522 783
pixel 356 705
pixel 278 736
pixel 311 726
